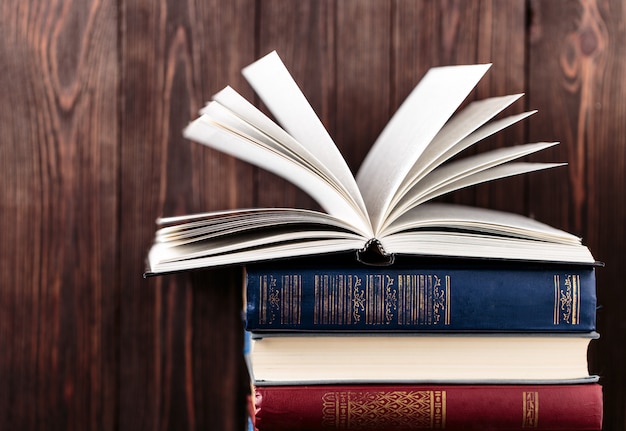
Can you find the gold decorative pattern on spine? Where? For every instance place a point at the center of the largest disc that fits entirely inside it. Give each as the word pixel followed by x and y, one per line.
pixel 284 301
pixel 422 300
pixel 567 300
pixel 339 299
pixel 347 299
pixel 530 405
pixel 370 410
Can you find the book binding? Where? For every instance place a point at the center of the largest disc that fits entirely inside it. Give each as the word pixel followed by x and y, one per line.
pixel 373 254
pixel 461 297
pixel 411 407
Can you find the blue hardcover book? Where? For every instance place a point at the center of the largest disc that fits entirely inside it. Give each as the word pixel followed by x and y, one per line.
pixel 459 297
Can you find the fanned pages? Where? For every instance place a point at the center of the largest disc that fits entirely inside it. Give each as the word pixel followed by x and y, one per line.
pixel 385 209
pixel 410 130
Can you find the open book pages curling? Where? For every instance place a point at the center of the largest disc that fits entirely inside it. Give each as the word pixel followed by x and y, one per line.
pixel 382 211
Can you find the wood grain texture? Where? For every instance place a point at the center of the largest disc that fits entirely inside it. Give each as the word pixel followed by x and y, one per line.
pixel 58 159
pixel 577 65
pixel 363 76
pixel 428 34
pixel 95 95
pixel 303 35
pixel 59 215
pixel 181 337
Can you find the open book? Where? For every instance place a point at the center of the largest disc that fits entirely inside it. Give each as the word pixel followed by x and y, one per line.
pixel 380 213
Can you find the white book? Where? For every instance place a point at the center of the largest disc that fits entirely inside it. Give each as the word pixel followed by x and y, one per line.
pixel 318 358
pixel 385 210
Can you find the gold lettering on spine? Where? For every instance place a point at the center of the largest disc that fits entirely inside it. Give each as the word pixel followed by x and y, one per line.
pixel 438 418
pixel 576 289
pixel 280 302
pixel 358 302
pixel 380 299
pixel 323 299
pixel 384 409
pixel 316 293
pixel 368 298
pixel 391 300
pixel 338 299
pixel 567 300
pixel 332 296
pixel 286 300
pixel 530 409
pixel 291 300
pixel 422 300
pixel 262 296
pixel 557 292
pixel 269 300
pixel 447 311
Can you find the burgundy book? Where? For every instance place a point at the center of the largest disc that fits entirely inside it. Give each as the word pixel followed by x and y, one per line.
pixel 411 407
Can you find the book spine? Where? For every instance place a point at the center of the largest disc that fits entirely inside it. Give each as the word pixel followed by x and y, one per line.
pixel 430 299
pixel 398 408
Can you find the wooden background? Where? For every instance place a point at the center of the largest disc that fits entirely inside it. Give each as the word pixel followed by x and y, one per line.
pixel 93 98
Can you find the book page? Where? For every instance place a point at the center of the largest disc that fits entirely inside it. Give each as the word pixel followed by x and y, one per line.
pixel 275 86
pixel 473 178
pixel 469 171
pixel 437 229
pixel 410 131
pixel 454 136
pixel 251 248
pixel 188 229
pixel 431 216
pixel 473 245
pixel 246 235
pixel 399 204
pixel 262 241
pixel 282 141
pixel 479 162
pixel 206 131
pixel 475 137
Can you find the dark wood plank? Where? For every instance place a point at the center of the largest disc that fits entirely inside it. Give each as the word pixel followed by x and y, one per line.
pixel 429 34
pixel 58 158
pixel 181 338
pixel 576 73
pixel 302 33
pixel 555 95
pixel 363 42
pixel 309 38
pixel 502 42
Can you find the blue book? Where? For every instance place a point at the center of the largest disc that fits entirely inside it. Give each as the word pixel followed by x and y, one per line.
pixel 432 297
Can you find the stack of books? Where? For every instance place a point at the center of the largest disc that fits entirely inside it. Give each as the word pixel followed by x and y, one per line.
pixel 451 344
pixel 384 310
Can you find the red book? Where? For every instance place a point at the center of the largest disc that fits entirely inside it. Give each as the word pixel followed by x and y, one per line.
pixel 411 407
